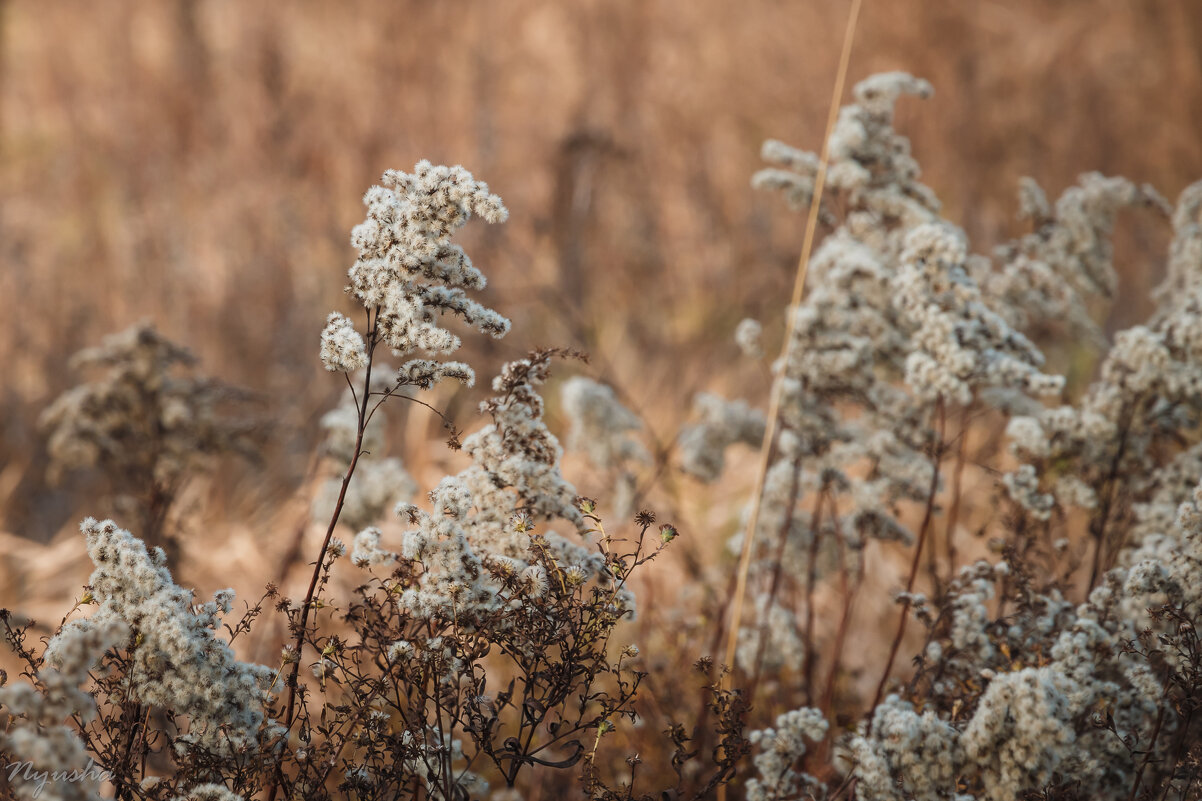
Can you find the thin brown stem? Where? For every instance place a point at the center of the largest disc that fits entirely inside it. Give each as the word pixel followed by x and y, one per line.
pixel 808 660
pixel 1143 765
pixel 953 512
pixel 928 515
pixel 848 589
pixel 1098 525
pixel 318 565
pixel 131 712
pixel 777 571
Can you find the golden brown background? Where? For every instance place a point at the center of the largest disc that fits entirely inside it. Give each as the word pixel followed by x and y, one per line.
pixel 199 163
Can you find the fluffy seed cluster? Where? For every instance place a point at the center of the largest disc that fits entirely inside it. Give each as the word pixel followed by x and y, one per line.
pixel 1016 692
pixel 902 324
pixel 1043 673
pixel 920 750
pixel 780 750
pixel 36 734
pixel 1109 444
pixel 602 428
pixel 1048 279
pixel 600 424
pixel 177 662
pixel 143 422
pixel 747 337
pixel 410 274
pixel 479 522
pixel 959 344
pixel 722 423
pixel 894 328
pixel 342 347
pixel 208 792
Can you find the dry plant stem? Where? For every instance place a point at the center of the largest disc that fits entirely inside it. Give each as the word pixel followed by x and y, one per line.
pixel 295 546
pixel 333 761
pixel 661 475
pixel 848 786
pixel 702 716
pixel 848 589
pixel 953 513
pixel 1098 525
pixel 130 711
pixel 732 634
pixel 933 565
pixel 1184 793
pixel 924 529
pixel 155 517
pixel 1139 774
pixel 1180 750
pixel 808 660
pixel 299 642
pixel 777 571
pixel 1017 536
pixel 133 712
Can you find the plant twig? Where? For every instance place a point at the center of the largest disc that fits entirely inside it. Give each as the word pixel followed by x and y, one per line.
pixel 928 515
pixel 299 642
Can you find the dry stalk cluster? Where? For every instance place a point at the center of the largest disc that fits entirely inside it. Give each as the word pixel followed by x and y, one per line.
pixel 482 650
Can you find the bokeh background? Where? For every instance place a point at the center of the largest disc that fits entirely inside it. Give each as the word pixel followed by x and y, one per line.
pixel 199 164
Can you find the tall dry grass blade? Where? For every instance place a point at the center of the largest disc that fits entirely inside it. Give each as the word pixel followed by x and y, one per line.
pixel 799 282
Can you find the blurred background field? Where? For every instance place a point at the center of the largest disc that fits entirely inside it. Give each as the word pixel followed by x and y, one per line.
pixel 199 164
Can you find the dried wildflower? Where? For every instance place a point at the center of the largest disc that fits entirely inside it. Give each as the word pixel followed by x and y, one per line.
pixel 1107 452
pixel 209 792
pixel 723 423
pixel 36 736
pixel 367 550
pixel 485 650
pixel 780 749
pixel 410 273
pixel 1049 277
pixel 342 347
pixel 178 664
pixel 1023 486
pixel 145 422
pixel 747 337
pixel 599 423
pixel 959 344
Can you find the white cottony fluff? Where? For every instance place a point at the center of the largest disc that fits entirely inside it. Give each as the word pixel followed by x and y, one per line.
pixel 410 274
pixel 723 423
pixel 747 337
pixel 599 423
pixel 208 792
pixel 178 663
pixel 342 347
pixel 779 750
pixel 36 735
pixel 471 522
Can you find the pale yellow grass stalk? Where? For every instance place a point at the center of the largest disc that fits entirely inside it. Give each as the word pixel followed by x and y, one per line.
pixel 799 282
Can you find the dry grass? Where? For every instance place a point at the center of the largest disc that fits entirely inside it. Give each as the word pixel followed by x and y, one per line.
pixel 199 164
